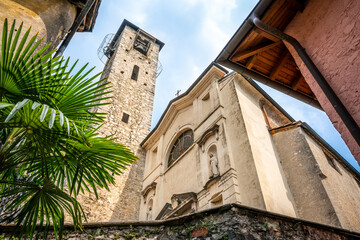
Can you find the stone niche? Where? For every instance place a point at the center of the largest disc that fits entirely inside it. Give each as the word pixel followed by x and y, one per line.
pixel 212 154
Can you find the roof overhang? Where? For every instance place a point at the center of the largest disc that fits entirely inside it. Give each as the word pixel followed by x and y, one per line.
pixel 87 24
pixel 265 58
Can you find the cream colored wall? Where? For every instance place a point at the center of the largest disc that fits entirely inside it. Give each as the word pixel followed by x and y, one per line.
pixel 199 114
pixel 239 150
pixel 342 189
pixel 275 117
pixel 276 193
pixel 168 179
pixel 304 176
pixel 251 171
pixel 243 178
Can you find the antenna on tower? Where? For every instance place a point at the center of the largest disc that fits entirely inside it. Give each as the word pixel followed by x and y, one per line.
pixel 105 49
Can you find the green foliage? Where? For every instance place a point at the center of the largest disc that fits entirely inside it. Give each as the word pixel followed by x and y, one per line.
pixel 49 149
pixel 132 234
pixel 174 229
pixel 191 228
pixel 225 236
pixel 266 225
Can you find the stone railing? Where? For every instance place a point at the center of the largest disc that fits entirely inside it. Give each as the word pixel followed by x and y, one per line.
pixel 230 221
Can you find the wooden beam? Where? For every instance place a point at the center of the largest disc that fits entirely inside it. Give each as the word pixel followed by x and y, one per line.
pixel 266 35
pixel 295 83
pixel 74 27
pixel 254 50
pixel 250 63
pixel 298 5
pixel 279 65
pixel 90 16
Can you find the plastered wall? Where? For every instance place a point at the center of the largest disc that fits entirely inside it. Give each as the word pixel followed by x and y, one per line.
pixel 278 168
pixel 50 18
pixel 240 152
pixel 249 166
pixel 340 186
pixel 274 188
pixel 304 177
pixel 329 32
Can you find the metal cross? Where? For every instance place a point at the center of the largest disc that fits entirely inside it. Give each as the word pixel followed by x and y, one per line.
pixel 177 93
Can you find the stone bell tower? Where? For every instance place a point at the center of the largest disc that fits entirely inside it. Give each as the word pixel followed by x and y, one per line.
pixel 131 68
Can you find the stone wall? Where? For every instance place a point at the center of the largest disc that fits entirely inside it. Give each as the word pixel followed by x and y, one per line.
pixel 230 221
pixel 135 98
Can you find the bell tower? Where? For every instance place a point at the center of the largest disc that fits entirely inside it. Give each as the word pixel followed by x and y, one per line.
pixel 131 67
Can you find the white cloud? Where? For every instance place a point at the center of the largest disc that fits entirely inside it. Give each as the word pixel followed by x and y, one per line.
pixel 216 15
pixel 134 11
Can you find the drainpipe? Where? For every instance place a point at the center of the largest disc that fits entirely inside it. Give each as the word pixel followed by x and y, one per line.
pixel 319 78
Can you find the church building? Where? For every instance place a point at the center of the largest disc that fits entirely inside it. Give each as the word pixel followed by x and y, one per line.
pixel 223 141
pixel 226 141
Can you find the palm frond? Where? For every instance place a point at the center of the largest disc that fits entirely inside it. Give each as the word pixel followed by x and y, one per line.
pixel 36 204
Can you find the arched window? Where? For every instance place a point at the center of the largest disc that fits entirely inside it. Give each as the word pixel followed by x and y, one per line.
pixel 135 73
pixel 184 141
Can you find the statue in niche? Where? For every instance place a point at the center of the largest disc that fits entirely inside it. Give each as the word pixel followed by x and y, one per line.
pixel 214 165
pixel 149 213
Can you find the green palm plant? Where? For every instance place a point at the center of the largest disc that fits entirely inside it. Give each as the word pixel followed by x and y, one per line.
pixel 49 149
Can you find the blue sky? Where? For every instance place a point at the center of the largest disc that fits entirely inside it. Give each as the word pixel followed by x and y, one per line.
pixel 194 33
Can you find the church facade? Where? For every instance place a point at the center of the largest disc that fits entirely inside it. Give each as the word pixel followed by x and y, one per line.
pixel 223 141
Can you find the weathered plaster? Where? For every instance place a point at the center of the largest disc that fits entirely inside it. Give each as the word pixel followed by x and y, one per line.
pixel 341 187
pixel 240 153
pixel 51 18
pixel 275 191
pixel 303 176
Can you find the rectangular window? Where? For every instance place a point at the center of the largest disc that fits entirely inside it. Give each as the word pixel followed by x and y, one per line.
pixel 125 118
pixel 135 73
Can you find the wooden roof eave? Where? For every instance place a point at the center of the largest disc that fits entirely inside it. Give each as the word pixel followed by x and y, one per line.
pixel 88 23
pixel 244 56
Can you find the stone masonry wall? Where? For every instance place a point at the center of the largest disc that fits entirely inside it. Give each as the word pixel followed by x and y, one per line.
pixel 230 221
pixel 136 99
